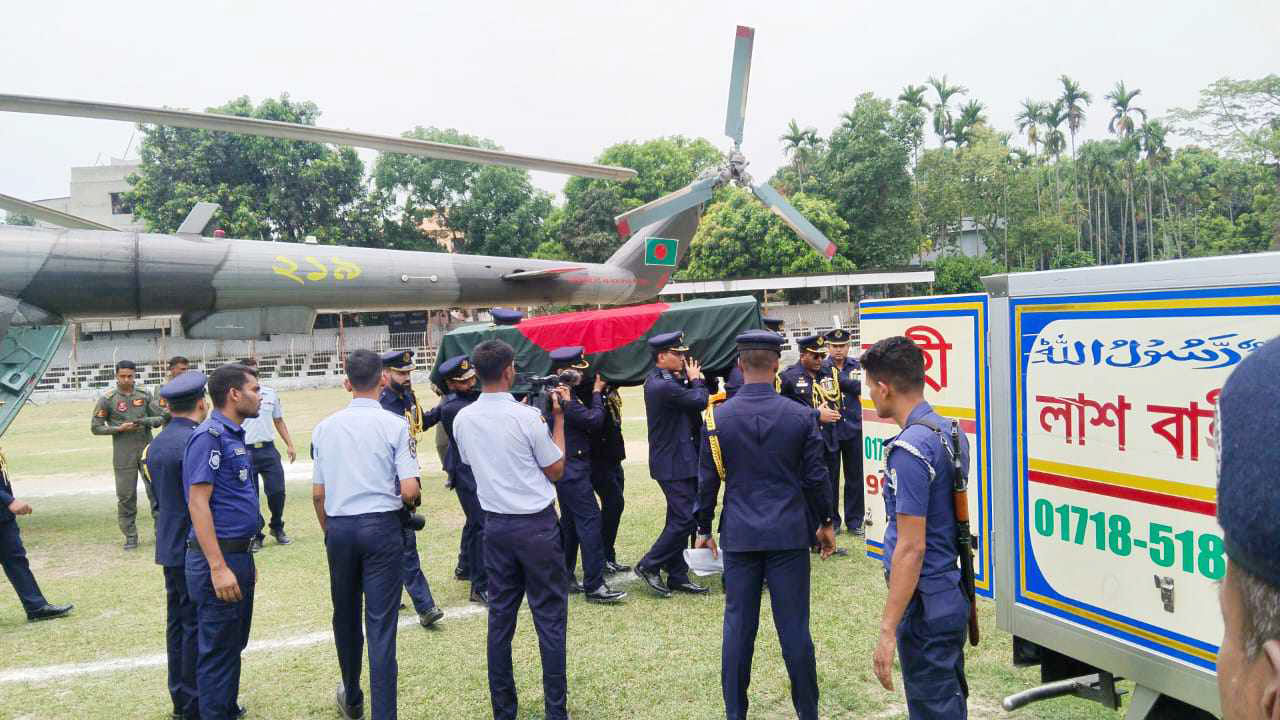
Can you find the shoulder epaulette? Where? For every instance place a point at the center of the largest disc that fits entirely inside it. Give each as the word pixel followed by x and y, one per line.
pixel 214 430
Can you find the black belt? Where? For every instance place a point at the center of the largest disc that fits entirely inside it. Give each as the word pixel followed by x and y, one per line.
pixel 232 545
pixel 260 445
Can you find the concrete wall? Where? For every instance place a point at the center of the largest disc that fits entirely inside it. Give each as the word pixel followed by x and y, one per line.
pixel 91 190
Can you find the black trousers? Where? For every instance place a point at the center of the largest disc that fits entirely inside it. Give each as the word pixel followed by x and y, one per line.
pixel 268 473
pixel 850 456
pixel 667 552
pixel 608 481
pixel 180 642
pixel 13 556
pixel 524 555
pixel 473 537
pixel 787 572
pixel 364 566
pixel 580 521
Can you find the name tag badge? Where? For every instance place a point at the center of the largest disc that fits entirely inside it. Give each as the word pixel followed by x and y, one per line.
pixel 239 451
pixel 244 475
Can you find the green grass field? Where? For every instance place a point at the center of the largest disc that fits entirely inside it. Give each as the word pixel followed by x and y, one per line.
pixel 647 658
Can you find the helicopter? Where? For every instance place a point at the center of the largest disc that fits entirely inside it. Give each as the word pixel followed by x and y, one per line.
pixel 228 289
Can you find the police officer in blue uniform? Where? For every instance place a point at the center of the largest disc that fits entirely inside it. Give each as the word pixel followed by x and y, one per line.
pixel 223 501
pixel 805 383
pixel 13 556
pixel 927 612
pixel 608 450
pixel 460 378
pixel 848 431
pixel 162 462
pixel 579 514
pixel 769 455
pixel 733 380
pixel 671 405
pixel 399 398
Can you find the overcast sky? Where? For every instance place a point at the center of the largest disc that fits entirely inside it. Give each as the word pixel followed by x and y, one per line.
pixel 566 79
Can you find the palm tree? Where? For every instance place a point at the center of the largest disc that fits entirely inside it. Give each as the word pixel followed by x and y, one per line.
pixel 912 96
pixel 942 119
pixel 1121 99
pixel 1074 98
pixel 799 144
pixel 1157 155
pixel 1055 142
pixel 1029 121
pixel 970 117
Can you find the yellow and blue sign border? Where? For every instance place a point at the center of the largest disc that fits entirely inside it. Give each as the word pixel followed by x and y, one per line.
pixel 971 306
pixel 1028 316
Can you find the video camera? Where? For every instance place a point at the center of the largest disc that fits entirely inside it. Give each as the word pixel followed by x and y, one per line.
pixel 409 517
pixel 540 387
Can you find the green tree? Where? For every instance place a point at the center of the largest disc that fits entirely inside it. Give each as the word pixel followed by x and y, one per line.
pixel 911 110
pixel 13 218
pixel 501 214
pixel 268 188
pixel 1074 99
pixel 942 119
pixel 1029 120
pixel 955 274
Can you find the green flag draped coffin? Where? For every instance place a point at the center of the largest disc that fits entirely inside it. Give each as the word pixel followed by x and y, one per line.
pixel 616 340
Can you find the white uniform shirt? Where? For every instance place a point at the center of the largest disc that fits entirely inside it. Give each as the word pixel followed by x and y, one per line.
pixel 506 443
pixel 262 428
pixel 360 452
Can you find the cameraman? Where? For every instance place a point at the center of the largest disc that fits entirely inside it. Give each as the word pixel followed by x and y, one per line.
pixel 365 472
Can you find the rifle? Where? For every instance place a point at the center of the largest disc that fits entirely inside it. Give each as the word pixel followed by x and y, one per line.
pixel 964 539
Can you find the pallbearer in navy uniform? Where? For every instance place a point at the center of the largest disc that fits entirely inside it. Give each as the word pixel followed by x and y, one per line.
pixel 223 502
pixel 608 450
pixel 579 514
pixel 733 380
pixel 398 397
pixel 673 458
pixel 767 452
pixel 805 383
pixel 460 378
pixel 927 612
pixel 848 431
pixel 184 400
pixel 13 556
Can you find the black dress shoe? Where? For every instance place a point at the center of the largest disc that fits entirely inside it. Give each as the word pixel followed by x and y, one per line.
pixel 281 538
pixel 605 595
pixel 131 542
pixel 350 712
pixel 480 596
pixel 430 617
pixel 241 710
pixel 689 587
pixel 615 568
pixel 575 587
pixel 256 545
pixel 460 574
pixel 654 581
pixel 49 612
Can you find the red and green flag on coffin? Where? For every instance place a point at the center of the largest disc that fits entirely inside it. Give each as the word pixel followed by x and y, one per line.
pixel 616 340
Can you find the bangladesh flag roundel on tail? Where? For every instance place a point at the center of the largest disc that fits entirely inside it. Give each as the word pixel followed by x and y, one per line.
pixel 661 251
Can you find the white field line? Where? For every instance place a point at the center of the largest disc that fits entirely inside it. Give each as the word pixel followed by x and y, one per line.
pixel 68 671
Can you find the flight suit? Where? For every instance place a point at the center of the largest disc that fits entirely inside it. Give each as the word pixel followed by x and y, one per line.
pixel 608 450
pixel 112 410
pixel 162 463
pixel 216 455
pixel 848 432
pixel 579 513
pixel 775 481
pixel 673 462
pixel 415 581
pixel 464 483
pixel 919 480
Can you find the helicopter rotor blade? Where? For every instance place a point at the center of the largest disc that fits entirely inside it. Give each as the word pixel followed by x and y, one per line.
pixel 695 193
pixel 795 220
pixel 306 133
pixel 19 206
pixel 740 76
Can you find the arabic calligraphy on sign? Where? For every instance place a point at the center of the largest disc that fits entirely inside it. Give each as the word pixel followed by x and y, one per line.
pixel 1198 353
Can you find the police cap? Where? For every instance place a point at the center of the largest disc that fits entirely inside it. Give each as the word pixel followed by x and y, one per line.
pixel 668 342
pixel 401 360
pixel 812 343
pixel 773 323
pixel 457 368
pixel 760 340
pixel 569 356
pixel 1248 455
pixel 504 316
pixel 839 336
pixel 187 385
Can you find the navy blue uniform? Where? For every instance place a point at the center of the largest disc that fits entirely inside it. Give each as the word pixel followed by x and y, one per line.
pixel 13 556
pixel 797 384
pixel 848 434
pixel 464 483
pixel 216 455
pixel 579 513
pixel 673 461
pixel 733 381
pixel 776 481
pixel 163 464
pixel 415 581
pixel 608 450
pixel 919 481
